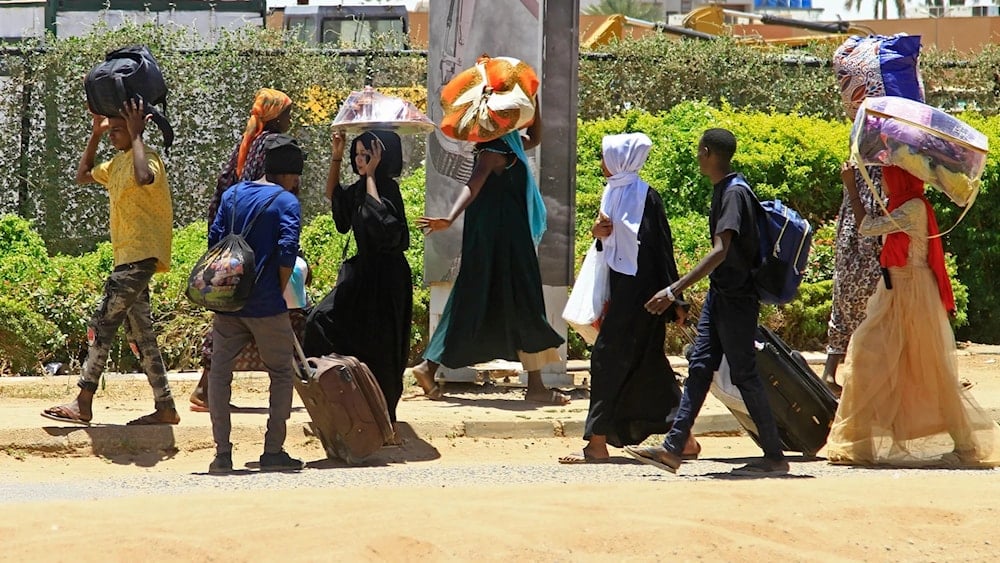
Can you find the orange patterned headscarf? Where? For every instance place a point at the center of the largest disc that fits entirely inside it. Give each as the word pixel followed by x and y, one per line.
pixel 268 104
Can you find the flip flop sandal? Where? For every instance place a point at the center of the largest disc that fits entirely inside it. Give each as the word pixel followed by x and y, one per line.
pixel 581 458
pixel 555 399
pixel 199 408
pixel 60 418
pixel 434 393
pixel 148 420
pixel 636 453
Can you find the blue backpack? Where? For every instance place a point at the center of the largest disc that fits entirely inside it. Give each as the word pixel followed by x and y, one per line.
pixel 785 240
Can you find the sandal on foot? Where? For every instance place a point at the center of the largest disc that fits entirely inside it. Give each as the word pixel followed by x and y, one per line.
pixel 763 467
pixel 62 413
pixel 431 389
pixel 556 398
pixel 657 456
pixel 581 457
pixel 693 455
pixel 204 408
pixel 151 420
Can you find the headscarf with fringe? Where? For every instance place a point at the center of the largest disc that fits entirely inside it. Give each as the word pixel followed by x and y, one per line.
pixel 268 104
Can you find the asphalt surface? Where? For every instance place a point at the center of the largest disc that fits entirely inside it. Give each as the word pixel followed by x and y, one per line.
pixel 333 475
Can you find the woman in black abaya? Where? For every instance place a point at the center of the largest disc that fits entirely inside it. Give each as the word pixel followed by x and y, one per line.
pixel 634 391
pixel 369 312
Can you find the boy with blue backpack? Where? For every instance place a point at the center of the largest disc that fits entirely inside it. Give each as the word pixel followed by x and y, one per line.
pixel 267 213
pixel 728 322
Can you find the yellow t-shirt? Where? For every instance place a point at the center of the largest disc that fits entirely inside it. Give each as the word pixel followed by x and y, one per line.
pixel 142 217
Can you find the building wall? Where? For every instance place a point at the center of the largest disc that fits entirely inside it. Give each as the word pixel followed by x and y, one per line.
pixel 963 34
pixel 22 21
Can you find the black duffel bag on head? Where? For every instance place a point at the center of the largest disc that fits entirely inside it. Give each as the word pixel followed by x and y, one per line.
pixel 125 74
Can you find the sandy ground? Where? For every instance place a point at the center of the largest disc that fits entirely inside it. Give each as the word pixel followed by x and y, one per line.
pixel 818 515
pixel 877 519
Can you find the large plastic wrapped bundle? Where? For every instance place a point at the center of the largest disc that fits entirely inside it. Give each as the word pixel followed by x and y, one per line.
pixel 489 100
pixel 925 141
pixel 877 65
pixel 371 109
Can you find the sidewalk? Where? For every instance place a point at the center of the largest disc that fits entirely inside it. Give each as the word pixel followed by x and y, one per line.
pixel 467 411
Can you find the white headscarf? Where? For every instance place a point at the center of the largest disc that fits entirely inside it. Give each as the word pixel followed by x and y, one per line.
pixel 624 198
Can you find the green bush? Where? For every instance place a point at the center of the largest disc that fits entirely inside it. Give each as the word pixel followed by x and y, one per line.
pixel 64 290
pixel 975 243
pixel 26 337
pixel 657 72
pixel 793 158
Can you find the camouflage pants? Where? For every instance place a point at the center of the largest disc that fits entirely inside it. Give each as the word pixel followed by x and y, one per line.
pixel 126 302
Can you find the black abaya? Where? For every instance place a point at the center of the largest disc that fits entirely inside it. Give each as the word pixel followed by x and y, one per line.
pixel 634 391
pixel 369 313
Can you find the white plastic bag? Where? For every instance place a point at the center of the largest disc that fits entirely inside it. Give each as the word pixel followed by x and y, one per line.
pixel 726 391
pixel 589 298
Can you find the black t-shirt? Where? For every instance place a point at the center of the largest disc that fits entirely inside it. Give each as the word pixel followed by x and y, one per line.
pixel 734 208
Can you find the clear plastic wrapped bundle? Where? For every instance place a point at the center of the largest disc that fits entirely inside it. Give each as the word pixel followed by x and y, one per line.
pixel 925 141
pixel 371 109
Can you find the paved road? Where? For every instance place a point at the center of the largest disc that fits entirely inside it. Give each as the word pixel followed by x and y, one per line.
pixel 330 475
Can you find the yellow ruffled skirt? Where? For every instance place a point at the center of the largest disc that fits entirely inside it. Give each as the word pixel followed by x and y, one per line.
pixel 902 402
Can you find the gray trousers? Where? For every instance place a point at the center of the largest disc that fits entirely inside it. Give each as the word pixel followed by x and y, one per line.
pixel 126 302
pixel 274 338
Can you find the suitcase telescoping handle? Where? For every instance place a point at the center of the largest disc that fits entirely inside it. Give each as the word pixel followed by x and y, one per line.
pixel 304 369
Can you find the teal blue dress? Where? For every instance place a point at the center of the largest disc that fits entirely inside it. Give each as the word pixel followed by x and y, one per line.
pixel 496 306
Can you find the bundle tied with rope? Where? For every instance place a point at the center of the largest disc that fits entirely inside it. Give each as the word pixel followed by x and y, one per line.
pixel 489 100
pixel 935 147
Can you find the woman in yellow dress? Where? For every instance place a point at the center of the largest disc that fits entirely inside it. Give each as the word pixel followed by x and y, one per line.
pixel 902 403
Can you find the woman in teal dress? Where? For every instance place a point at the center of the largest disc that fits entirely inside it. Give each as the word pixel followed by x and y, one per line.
pixel 496 309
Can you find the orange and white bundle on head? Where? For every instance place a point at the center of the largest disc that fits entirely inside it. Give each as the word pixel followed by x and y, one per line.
pixel 489 100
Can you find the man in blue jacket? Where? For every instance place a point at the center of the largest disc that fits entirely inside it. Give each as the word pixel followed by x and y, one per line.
pixel 274 239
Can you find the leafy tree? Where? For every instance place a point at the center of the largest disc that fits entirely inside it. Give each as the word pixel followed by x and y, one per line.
pixel 632 8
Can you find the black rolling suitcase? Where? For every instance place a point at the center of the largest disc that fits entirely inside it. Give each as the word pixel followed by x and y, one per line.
pixel 803 406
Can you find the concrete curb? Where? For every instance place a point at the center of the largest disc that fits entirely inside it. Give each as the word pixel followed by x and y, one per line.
pixel 112 440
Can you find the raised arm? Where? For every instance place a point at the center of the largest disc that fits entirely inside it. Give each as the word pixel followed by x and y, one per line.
pixel 487 163
pixel 336 160
pixel 534 130
pixel 135 117
pixel 86 163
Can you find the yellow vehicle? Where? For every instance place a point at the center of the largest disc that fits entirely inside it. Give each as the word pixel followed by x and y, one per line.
pixel 713 21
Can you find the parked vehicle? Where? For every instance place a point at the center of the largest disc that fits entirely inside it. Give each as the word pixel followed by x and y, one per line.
pixel 68 18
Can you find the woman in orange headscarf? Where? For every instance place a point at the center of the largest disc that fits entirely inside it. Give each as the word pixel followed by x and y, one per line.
pixel 903 403
pixel 270 115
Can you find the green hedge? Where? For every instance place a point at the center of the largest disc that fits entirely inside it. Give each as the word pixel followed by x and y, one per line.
pixel 48 299
pixel 44 122
pixel 794 158
pixel 657 72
